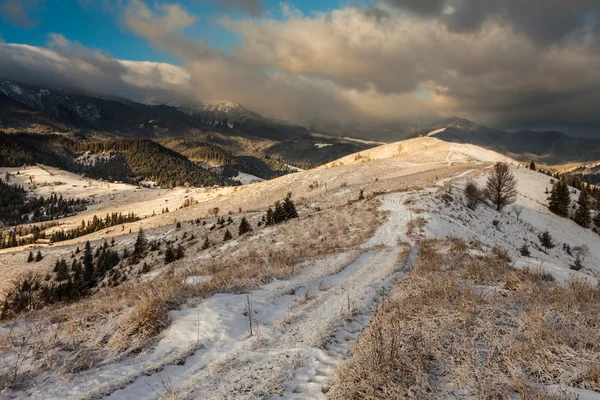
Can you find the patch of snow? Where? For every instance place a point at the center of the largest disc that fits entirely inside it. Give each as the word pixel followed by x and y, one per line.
pixel 294 168
pixel 247 179
pixel 433 133
pixel 196 280
pixel 362 141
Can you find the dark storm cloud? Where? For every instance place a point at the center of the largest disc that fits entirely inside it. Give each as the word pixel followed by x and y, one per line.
pixel 545 21
pixel 421 7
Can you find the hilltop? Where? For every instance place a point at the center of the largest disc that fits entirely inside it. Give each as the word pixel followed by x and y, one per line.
pixel 289 309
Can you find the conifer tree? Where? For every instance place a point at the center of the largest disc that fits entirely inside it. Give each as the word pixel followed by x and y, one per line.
pixel 532 165
pixel 88 263
pixel 30 258
pixel 546 241
pixel 597 220
pixel 227 236
pixel 169 254
pixel 270 220
pixel 76 268
pixel 179 252
pixel 289 207
pixel 524 250
pixel 583 216
pixel 206 244
pixel 141 243
pixel 38 256
pixel 560 199
pixel 62 274
pixel 245 226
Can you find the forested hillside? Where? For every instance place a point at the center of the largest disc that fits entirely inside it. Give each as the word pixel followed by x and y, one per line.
pixel 127 160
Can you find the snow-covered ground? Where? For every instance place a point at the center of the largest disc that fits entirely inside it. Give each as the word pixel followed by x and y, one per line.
pixel 246 179
pixel 285 338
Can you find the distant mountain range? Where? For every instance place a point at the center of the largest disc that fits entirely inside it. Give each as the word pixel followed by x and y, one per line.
pixel 234 129
pixel 549 147
pixel 221 138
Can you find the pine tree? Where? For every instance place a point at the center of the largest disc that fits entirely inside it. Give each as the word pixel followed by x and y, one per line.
pixel 583 215
pixel 270 220
pixel 76 268
pixel 524 250
pixel 169 254
pixel 179 252
pixel 141 243
pixel 30 258
pixel 227 236
pixel 597 220
pixel 560 199
pixel 546 241
pixel 289 208
pixel 63 271
pixel 245 226
pixel 38 256
pixel 206 244
pixel 88 263
pixel 532 166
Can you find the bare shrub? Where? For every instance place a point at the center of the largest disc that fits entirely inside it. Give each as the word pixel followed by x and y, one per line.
pixel 473 195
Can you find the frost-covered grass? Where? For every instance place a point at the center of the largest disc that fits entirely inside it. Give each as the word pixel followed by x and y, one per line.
pixel 465 324
pixel 118 322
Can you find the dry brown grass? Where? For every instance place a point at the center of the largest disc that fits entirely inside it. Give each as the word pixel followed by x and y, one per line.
pixel 121 321
pixel 466 322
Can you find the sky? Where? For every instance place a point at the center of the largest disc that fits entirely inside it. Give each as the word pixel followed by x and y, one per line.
pixel 504 63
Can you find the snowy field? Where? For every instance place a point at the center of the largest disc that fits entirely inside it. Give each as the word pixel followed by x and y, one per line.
pixel 286 337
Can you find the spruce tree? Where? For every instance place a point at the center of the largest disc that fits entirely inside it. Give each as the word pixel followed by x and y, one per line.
pixel 583 216
pixel 88 263
pixel 289 208
pixel 546 241
pixel 597 220
pixel 560 199
pixel 206 244
pixel 38 256
pixel 141 243
pixel 227 236
pixel 30 258
pixel 524 250
pixel 179 252
pixel 63 271
pixel 270 220
pixel 245 226
pixel 532 166
pixel 169 254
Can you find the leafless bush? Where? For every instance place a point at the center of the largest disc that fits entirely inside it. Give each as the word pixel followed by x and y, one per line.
pixel 501 186
pixel 473 195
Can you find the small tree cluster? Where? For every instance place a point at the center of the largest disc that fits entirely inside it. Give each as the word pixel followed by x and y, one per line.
pixel 173 253
pixel 282 212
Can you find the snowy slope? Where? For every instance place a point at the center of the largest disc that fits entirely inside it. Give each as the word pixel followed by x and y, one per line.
pixel 304 330
pixel 423 150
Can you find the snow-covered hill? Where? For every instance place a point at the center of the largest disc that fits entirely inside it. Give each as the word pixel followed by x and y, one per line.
pixel 306 321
